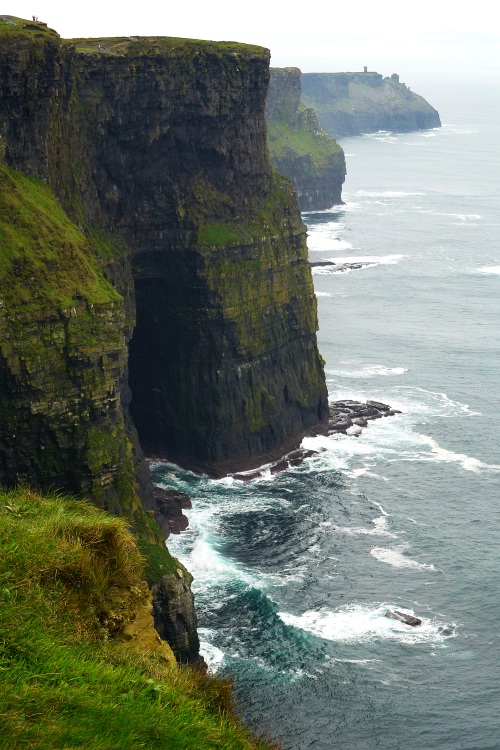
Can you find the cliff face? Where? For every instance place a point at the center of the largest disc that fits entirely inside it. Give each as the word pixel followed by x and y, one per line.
pixel 356 103
pixel 151 258
pixel 298 148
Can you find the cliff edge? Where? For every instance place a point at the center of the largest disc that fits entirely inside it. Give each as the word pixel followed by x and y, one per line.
pixel 356 103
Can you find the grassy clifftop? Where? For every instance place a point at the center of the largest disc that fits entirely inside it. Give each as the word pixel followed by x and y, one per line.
pixel 81 666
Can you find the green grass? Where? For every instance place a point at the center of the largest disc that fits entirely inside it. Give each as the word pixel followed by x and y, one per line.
pixel 319 146
pixel 66 683
pixel 45 260
pixel 25 28
pixel 166 46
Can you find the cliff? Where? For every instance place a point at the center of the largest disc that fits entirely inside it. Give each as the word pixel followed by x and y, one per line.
pixel 298 148
pixel 356 103
pixel 153 275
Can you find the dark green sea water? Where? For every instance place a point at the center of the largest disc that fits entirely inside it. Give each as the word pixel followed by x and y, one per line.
pixel 295 572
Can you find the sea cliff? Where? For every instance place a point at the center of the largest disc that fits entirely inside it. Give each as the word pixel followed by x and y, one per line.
pixel 153 275
pixel 298 147
pixel 365 102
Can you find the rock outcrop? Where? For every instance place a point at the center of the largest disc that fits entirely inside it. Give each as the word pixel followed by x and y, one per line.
pixel 175 616
pixel 356 103
pixel 298 148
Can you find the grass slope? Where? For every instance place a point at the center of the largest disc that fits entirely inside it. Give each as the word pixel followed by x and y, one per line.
pixel 302 141
pixel 67 680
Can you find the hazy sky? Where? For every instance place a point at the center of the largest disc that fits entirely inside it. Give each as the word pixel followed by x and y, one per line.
pixel 387 36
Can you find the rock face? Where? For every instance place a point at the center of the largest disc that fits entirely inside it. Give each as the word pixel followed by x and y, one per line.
pixel 356 103
pixel 298 148
pixel 174 614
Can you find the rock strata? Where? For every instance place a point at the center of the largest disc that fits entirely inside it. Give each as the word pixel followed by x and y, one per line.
pixel 350 416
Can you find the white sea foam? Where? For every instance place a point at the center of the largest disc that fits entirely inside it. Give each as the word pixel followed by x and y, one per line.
pixel 464 218
pixel 375 259
pixel 469 463
pixel 213 656
pixel 343 263
pixel 205 559
pixel 368 371
pixel 435 403
pixel 352 206
pixel 394 556
pixel 323 294
pixel 319 244
pixel 494 270
pixel 360 624
pixel 387 193
pixel 380 529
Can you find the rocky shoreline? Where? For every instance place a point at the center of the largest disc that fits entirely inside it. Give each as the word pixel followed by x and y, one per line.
pixel 346 417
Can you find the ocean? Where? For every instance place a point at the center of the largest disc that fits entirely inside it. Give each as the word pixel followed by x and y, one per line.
pixel 294 572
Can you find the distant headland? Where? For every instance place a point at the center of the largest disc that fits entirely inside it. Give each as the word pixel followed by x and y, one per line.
pixel 366 102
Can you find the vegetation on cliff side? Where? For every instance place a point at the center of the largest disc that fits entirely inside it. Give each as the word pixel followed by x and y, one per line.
pixel 302 141
pixel 74 673
pixel 46 261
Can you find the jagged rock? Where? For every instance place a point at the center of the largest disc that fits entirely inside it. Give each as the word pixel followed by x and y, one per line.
pixel 317 169
pixel 350 416
pixel 355 103
pixel 169 515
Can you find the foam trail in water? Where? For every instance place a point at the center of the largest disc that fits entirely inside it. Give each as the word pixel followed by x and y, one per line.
pixel 360 624
pixel 494 270
pixel 466 462
pixel 367 371
pixel 394 556
pixel 380 529
pixel 378 259
pixel 386 193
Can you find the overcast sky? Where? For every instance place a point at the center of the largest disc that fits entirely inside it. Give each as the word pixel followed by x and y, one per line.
pixel 387 36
